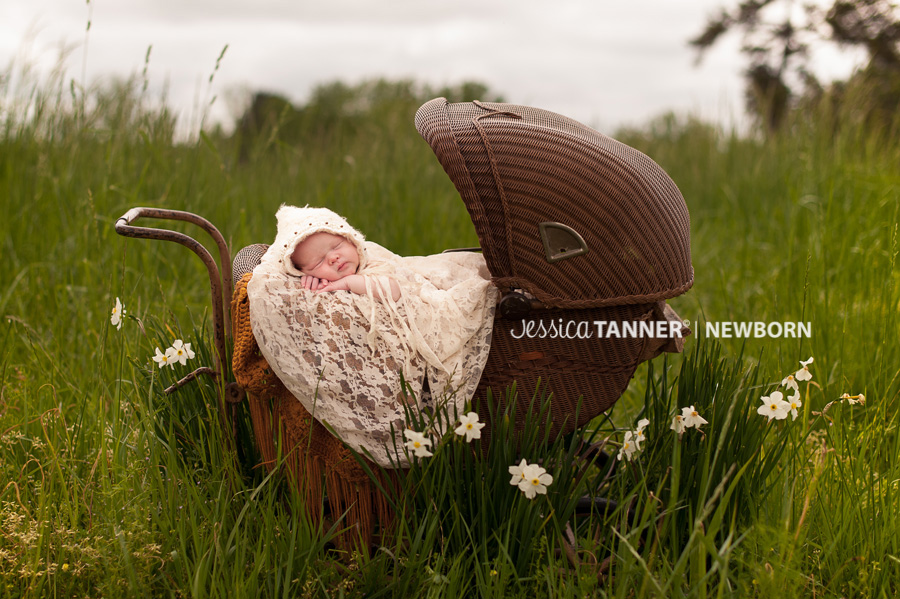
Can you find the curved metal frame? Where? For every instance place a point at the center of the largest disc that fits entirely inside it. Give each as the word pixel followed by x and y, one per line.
pixel 218 280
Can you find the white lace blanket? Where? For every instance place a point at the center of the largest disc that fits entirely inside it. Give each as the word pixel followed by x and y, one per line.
pixel 342 354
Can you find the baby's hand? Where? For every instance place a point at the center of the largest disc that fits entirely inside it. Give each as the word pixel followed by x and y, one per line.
pixel 312 283
pixel 339 285
pixel 357 284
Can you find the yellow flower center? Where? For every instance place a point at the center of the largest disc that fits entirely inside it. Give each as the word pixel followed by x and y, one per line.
pixel 773 406
pixel 469 426
pixel 694 413
pixel 180 352
pixel 416 444
pixel 535 481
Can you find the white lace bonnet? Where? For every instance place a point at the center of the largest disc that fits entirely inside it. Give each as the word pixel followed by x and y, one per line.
pixel 296 224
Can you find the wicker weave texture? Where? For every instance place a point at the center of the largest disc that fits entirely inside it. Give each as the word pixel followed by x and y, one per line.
pixel 516 167
pixel 246 260
pixel 591 372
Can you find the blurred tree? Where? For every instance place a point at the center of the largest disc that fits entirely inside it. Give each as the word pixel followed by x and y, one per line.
pixel 872 24
pixel 337 110
pixel 268 115
pixel 466 92
pixel 777 35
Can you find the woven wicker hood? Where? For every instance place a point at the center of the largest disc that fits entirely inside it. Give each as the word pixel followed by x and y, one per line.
pixel 537 184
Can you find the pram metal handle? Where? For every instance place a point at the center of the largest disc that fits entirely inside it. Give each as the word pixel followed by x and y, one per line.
pixel 220 304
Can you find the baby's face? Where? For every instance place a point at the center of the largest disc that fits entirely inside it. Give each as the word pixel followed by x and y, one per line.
pixel 326 256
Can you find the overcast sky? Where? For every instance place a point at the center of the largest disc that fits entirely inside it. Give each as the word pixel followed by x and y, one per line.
pixel 605 63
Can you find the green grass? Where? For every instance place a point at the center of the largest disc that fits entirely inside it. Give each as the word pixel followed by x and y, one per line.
pixel 110 488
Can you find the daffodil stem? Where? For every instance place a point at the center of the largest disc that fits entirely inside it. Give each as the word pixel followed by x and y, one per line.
pixel 676 479
pixel 192 376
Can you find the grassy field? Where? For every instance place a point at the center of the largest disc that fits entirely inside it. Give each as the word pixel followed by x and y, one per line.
pixel 110 488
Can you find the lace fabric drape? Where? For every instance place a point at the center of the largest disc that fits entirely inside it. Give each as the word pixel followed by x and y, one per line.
pixel 342 354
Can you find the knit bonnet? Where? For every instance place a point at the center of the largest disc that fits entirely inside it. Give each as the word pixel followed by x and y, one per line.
pixel 296 224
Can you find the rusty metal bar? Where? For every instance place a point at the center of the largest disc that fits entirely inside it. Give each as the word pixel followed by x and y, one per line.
pixel 123 228
pixel 221 307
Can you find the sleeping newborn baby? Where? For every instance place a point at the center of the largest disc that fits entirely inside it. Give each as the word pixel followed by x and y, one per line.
pixel 329 263
pixel 346 356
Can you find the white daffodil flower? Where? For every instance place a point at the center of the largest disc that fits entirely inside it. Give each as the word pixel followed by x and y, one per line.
pixel 678 424
pixel 804 374
pixel 774 406
pixel 535 481
pixel 118 312
pixel 790 382
pixel 793 403
pixel 182 351
pixel 692 418
pixel 163 358
pixel 639 433
pixel 469 427
pixel 516 472
pixel 854 399
pixel 418 443
pixel 628 447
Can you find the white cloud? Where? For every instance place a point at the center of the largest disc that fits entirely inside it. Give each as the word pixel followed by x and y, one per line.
pixel 600 62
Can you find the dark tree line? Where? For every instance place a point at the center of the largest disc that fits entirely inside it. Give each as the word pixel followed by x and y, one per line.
pixel 337 109
pixel 778 35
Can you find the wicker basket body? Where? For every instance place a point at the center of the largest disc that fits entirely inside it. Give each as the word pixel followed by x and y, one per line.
pixel 520 170
pixel 525 174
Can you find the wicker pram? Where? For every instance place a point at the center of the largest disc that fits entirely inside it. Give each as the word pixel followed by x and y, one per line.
pixel 575 227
